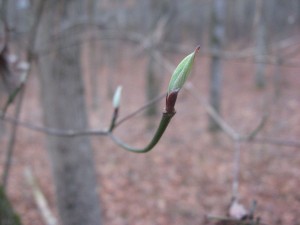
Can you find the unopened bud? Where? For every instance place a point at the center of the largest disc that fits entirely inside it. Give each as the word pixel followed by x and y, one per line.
pixel 117 97
pixel 181 72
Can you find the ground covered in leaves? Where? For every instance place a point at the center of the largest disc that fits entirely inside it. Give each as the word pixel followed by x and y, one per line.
pixel 189 174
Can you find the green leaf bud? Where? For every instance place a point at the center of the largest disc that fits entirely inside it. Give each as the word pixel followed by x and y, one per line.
pixel 181 72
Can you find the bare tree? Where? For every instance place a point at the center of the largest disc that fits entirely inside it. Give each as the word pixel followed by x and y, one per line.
pixel 64 108
pixel 161 12
pixel 217 37
pixel 92 56
pixel 261 42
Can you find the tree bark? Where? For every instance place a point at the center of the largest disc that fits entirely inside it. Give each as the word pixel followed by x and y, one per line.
pixel 261 42
pixel 217 39
pixel 64 108
pixel 153 81
pixel 161 11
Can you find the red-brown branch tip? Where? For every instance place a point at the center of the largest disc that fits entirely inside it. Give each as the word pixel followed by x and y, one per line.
pixel 170 101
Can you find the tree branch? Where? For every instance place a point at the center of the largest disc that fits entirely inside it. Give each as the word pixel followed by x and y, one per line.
pixel 164 122
pixel 39 198
pixel 11 143
pixel 142 108
pixel 53 131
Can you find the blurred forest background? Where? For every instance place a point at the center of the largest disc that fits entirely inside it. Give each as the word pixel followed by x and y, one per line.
pixel 229 156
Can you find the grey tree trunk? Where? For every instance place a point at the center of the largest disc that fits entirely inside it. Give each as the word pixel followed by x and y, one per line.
pixel 93 49
pixel 161 11
pixel 64 108
pixel 153 81
pixel 261 43
pixel 217 37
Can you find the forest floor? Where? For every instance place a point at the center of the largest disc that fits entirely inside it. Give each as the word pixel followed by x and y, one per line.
pixel 189 174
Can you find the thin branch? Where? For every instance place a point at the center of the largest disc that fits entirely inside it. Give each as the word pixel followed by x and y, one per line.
pixel 34 30
pixel 12 141
pixel 236 137
pixel 113 119
pixel 158 98
pixel 39 198
pixel 20 90
pixel 224 126
pixel 74 133
pixel 13 95
pixel 246 55
pixel 273 141
pixel 236 169
pixel 53 131
pixel 259 127
pixel 154 39
pixel 250 137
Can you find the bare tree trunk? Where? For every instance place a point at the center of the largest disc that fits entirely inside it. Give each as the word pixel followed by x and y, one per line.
pixel 261 42
pixel 162 12
pixel 278 72
pixel 93 58
pixel 153 81
pixel 64 108
pixel 217 38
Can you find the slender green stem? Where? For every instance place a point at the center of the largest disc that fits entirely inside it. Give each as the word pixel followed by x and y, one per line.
pixel 164 122
pixel 113 120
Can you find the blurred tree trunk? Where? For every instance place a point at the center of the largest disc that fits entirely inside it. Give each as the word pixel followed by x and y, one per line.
pixel 277 79
pixel 112 47
pixel 161 11
pixel 3 67
pixel 261 42
pixel 217 37
pixel 153 83
pixel 112 63
pixel 93 59
pixel 64 108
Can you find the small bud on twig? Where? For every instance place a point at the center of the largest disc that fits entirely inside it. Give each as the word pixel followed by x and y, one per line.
pixel 181 72
pixel 117 97
pixel 178 79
